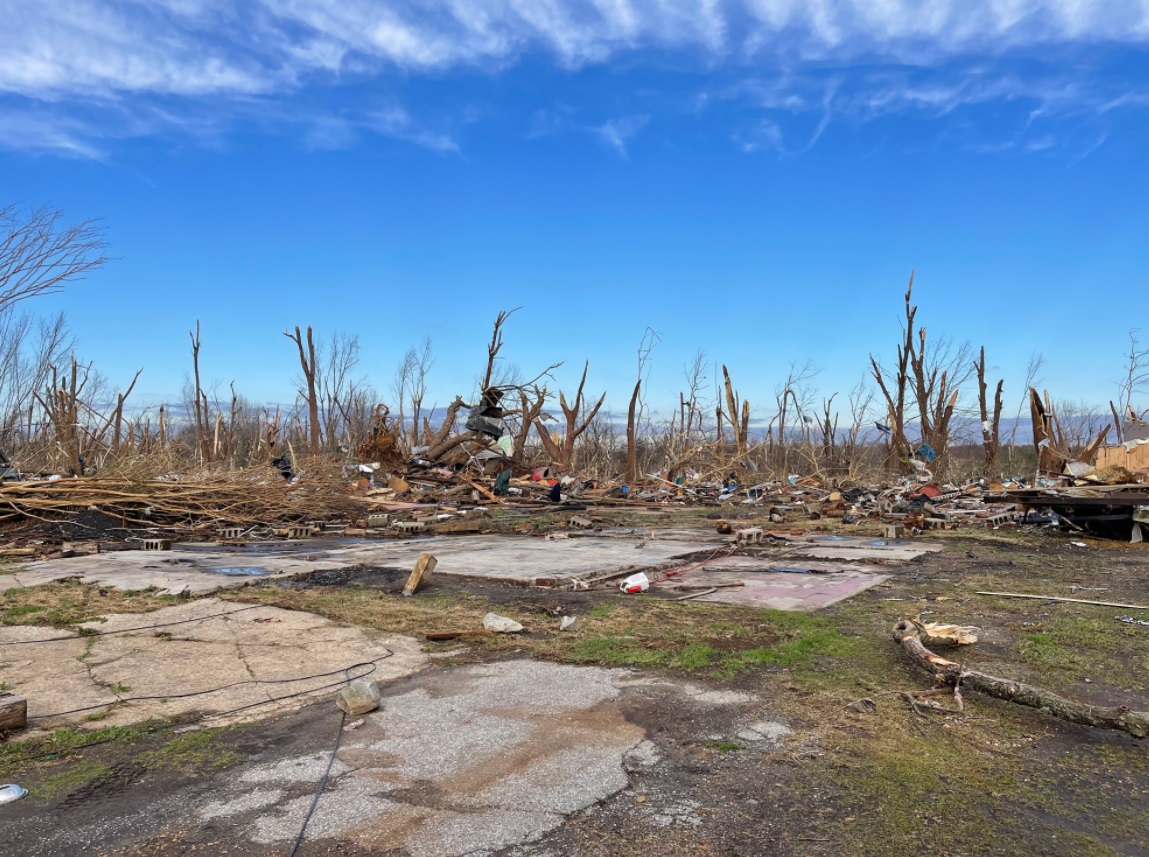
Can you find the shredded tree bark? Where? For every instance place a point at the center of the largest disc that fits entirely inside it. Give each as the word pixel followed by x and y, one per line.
pixel 1120 717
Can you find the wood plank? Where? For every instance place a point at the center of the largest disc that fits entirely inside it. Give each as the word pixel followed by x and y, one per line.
pixel 420 574
pixel 1066 600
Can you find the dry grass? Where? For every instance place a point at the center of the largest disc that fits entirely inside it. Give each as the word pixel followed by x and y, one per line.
pixel 64 605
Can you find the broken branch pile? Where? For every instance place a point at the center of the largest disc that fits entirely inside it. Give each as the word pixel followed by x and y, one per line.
pixel 254 496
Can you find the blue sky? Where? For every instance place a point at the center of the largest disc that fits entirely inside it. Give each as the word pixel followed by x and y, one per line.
pixel 754 178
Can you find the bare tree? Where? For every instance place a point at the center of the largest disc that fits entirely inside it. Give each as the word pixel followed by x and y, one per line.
pixel 1135 380
pixel 38 253
pixel 310 389
pixel 410 385
pixel 28 350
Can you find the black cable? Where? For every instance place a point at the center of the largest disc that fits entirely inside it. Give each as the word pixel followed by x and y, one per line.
pixel 322 785
pixel 226 687
pixel 204 717
pixel 85 633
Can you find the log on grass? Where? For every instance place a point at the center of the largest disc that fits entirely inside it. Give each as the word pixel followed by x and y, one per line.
pixel 1120 717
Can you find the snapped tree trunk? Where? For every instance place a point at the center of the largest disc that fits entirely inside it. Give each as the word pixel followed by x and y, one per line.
pixel 631 436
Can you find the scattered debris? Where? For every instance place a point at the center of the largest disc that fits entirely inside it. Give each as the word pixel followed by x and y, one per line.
pixel 635 583
pixel 501 624
pixel 12 792
pixel 568 623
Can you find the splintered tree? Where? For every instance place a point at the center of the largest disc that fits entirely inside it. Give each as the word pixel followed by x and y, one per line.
pixel 990 424
pixel 562 454
pixel 739 417
pixel 634 411
pixel 929 373
pixel 200 402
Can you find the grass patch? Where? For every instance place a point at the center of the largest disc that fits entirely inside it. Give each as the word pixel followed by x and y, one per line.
pixel 717 640
pixel 192 753
pixel 67 780
pixel 67 605
pixel 19 755
pixel 724 746
pixel 1088 646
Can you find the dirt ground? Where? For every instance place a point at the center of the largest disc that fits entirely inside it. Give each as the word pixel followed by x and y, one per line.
pixel 995 778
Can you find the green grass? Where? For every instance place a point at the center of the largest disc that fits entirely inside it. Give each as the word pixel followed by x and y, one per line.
pixel 68 779
pixel 192 753
pixel 16 755
pixel 1088 646
pixel 724 746
pixel 619 637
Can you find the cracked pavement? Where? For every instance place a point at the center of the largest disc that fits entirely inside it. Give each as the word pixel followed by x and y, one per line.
pixel 216 645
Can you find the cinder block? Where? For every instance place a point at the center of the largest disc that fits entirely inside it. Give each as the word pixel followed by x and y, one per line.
pixel 750 536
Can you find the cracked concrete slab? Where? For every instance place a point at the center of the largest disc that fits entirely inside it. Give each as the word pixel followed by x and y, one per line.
pixel 236 656
pixel 780 584
pixel 203 568
pixel 463 761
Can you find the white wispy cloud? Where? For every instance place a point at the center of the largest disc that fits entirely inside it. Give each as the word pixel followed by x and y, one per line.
pixel 189 47
pixel 114 53
pixel 616 132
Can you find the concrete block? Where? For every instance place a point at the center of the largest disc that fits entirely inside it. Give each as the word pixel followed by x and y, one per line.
pixel 377 521
pixel 750 536
pixel 13 712
pixel 298 532
pixel 157 545
pixel 893 531
pixel 357 698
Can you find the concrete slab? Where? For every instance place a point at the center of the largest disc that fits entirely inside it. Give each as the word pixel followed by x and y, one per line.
pixel 859 554
pixel 207 568
pixel 779 584
pixel 253 656
pixel 860 549
pixel 462 761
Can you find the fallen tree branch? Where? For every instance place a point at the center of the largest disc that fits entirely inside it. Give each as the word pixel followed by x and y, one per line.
pixel 1120 717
